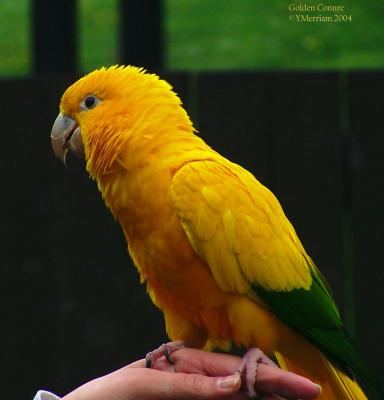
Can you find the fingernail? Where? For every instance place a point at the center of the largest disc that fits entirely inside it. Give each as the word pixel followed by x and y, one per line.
pixel 229 382
pixel 320 389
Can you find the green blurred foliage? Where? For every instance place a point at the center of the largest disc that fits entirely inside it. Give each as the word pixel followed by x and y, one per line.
pixel 98 33
pixel 217 34
pixel 14 37
pixel 249 34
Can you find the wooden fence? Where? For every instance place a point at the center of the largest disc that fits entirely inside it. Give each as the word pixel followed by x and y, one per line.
pixel 72 305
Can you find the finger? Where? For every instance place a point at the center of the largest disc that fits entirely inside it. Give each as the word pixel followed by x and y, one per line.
pixel 286 384
pixel 200 362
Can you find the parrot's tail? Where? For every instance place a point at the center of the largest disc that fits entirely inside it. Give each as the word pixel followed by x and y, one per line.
pixel 335 384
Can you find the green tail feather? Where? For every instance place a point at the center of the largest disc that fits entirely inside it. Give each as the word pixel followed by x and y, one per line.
pixel 314 315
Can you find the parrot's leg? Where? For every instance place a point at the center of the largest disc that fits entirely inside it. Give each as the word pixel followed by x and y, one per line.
pixel 165 350
pixel 248 369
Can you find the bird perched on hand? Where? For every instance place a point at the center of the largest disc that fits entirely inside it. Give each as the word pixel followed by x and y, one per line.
pixel 218 255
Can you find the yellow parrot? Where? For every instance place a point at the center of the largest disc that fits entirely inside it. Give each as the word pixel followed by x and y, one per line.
pixel 218 255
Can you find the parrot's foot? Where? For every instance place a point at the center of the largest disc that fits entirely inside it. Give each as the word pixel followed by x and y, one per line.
pixel 248 369
pixel 165 350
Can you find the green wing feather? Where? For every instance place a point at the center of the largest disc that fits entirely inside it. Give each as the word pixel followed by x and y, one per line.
pixel 314 315
pixel 238 228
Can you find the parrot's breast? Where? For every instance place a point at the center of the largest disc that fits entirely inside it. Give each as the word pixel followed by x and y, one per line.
pixel 179 282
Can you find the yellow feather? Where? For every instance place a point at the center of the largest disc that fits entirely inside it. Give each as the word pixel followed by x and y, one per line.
pixel 206 224
pixel 212 198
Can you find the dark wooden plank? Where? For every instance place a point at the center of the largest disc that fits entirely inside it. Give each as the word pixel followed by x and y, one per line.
pixel 141 33
pixel 308 167
pixel 28 312
pixel 232 117
pixel 367 105
pixel 54 41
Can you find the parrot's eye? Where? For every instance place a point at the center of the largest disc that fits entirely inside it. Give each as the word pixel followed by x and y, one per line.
pixel 89 102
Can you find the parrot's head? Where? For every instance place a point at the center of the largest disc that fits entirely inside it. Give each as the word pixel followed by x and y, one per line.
pixel 115 110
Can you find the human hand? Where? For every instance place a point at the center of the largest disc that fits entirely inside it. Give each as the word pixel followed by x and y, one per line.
pixel 200 375
pixel 218 368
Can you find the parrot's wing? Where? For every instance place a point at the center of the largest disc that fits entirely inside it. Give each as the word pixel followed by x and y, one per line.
pixel 238 228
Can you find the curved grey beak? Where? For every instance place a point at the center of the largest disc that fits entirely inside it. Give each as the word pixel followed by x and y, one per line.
pixel 66 135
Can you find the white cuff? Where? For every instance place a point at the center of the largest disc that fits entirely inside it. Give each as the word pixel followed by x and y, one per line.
pixel 44 395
